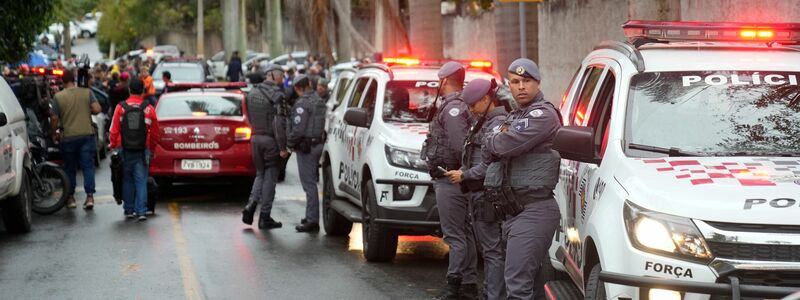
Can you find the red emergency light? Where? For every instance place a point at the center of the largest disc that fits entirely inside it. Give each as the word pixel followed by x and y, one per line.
pixel 782 33
pixel 411 61
pixel 40 70
pixel 57 72
pixel 408 61
pixel 174 87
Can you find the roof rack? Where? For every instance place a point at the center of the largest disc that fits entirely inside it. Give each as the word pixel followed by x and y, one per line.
pixel 627 49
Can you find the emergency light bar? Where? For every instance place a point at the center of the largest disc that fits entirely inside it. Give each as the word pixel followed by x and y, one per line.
pixel 411 61
pixel 782 33
pixel 174 87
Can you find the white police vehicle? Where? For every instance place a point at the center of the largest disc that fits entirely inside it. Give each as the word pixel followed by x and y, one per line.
pixel 680 176
pixel 15 193
pixel 372 172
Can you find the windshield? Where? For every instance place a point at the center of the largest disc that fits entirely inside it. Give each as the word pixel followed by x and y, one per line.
pixel 199 106
pixel 181 73
pixel 737 113
pixel 408 101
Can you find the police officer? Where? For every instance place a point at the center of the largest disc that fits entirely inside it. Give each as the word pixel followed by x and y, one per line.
pixel 479 95
pixel 267 110
pixel 521 178
pixel 443 149
pixel 306 137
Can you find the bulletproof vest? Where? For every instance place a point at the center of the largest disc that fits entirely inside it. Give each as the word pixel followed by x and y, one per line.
pixel 437 150
pixel 316 122
pixel 472 147
pixel 262 105
pixel 536 170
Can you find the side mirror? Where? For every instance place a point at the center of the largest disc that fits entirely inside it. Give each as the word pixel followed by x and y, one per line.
pixel 356 117
pixel 3 119
pixel 576 143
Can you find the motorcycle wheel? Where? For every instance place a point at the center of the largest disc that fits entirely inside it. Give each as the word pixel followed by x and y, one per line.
pixel 50 191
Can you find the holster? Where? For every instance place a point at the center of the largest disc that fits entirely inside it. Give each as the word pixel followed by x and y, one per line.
pixel 503 199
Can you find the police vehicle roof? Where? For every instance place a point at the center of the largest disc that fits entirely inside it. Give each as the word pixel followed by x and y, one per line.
pixel 426 73
pixel 695 56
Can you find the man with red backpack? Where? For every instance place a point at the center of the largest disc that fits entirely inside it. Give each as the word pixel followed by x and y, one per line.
pixel 134 132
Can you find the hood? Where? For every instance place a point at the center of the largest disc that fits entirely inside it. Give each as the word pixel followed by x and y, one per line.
pixel 406 135
pixel 756 190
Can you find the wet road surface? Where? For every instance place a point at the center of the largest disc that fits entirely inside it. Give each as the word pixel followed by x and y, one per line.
pixel 196 247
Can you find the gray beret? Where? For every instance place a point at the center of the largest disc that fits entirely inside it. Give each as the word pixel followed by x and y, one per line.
pixel 450 68
pixel 297 79
pixel 475 90
pixel 272 67
pixel 526 68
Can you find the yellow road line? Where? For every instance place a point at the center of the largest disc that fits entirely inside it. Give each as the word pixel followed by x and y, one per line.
pixel 191 287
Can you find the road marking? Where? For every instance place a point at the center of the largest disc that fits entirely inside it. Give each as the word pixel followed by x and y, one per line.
pixel 191 287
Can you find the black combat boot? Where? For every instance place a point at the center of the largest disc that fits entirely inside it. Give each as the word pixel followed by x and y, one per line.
pixel 469 291
pixel 266 222
pixel 248 212
pixel 453 290
pixel 307 227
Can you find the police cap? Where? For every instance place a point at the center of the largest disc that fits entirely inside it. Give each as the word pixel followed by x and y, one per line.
pixel 526 68
pixel 476 89
pixel 450 68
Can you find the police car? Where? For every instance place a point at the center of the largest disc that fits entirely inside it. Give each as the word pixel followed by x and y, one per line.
pixel 205 133
pixel 372 171
pixel 680 176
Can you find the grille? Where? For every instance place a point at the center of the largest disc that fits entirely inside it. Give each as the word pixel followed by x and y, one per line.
pixel 756 227
pixel 767 278
pixel 780 253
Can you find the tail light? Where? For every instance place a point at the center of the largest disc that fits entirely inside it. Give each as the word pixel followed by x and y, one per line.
pixel 242 134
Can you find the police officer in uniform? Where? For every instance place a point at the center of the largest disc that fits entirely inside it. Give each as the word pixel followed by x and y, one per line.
pixel 267 110
pixel 443 149
pixel 480 96
pixel 521 178
pixel 306 138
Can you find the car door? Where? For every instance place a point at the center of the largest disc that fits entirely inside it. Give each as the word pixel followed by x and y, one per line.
pixel 346 177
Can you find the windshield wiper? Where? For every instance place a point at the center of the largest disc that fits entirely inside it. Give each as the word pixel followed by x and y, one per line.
pixel 669 151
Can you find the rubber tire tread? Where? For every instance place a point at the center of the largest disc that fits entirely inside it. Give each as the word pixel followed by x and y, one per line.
pixel 595 290
pixel 61 201
pixel 17 209
pixel 381 243
pixel 335 223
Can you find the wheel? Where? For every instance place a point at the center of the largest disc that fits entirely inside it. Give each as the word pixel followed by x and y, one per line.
pixel 595 290
pixel 17 210
pixel 51 192
pixel 380 243
pixel 86 34
pixel 164 186
pixel 335 224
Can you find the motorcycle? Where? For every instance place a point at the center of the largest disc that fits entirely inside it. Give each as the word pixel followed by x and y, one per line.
pixel 49 183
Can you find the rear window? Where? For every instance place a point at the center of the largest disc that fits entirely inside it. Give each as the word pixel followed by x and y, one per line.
pixel 199 106
pixel 184 73
pixel 408 101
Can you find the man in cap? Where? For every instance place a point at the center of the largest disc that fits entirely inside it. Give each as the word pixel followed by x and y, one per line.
pixel 266 109
pixel 480 96
pixel 442 150
pixel 306 137
pixel 521 178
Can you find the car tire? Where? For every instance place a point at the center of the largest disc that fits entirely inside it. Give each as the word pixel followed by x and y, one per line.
pixel 335 223
pixel 17 209
pixel 595 289
pixel 86 34
pixel 164 186
pixel 380 243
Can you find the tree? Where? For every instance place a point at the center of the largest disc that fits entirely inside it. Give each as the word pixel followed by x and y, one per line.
pixel 22 21
pixel 67 10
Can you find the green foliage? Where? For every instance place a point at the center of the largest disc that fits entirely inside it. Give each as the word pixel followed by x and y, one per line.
pixel 21 22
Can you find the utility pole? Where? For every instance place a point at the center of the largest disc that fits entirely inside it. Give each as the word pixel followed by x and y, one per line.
pixel 200 30
pixel 230 17
pixel 242 36
pixel 344 42
pixel 275 20
pixel 67 40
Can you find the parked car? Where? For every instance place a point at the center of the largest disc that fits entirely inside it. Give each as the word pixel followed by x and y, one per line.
pixel 298 56
pixel 15 193
pixel 218 66
pixel 182 70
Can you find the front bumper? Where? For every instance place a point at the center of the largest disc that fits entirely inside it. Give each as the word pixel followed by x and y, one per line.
pixel 423 218
pixel 734 289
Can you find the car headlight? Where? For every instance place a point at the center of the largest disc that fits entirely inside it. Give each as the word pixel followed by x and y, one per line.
pixel 405 159
pixel 665 234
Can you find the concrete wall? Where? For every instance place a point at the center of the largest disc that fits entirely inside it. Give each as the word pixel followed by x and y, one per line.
pixel 425 32
pixel 741 10
pixel 568 30
pixel 506 17
pixel 469 37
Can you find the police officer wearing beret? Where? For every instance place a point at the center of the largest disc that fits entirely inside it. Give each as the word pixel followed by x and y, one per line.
pixel 521 178
pixel 443 149
pixel 267 111
pixel 480 96
pixel 306 137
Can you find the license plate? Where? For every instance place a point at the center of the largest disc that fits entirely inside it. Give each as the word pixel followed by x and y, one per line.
pixel 196 164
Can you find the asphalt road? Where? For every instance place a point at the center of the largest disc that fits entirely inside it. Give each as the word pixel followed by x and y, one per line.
pixel 87 46
pixel 196 247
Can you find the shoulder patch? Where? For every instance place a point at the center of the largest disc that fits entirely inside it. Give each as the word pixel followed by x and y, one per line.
pixel 521 124
pixel 454 111
pixel 299 110
pixel 297 119
pixel 536 113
